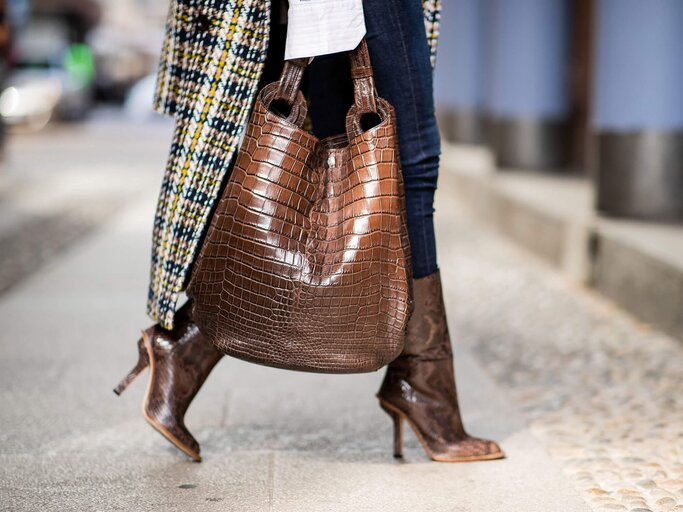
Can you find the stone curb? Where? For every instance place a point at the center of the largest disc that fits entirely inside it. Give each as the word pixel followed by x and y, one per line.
pixel 638 265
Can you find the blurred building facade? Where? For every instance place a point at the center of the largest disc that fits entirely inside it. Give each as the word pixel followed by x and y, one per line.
pixel 60 57
pixel 587 86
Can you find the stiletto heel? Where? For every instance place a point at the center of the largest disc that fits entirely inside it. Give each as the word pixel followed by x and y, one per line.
pixel 143 362
pixel 398 431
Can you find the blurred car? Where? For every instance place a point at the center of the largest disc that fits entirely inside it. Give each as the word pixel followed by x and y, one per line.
pixel 51 78
pixel 138 103
pixel 123 57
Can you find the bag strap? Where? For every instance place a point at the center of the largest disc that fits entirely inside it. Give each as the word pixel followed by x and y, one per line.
pixel 364 91
pixel 290 80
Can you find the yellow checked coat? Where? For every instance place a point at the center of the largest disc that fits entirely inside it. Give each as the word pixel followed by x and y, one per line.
pixel 209 70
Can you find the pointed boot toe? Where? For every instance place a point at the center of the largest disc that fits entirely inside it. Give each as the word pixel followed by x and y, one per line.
pixel 470 449
pixel 176 433
pixel 179 360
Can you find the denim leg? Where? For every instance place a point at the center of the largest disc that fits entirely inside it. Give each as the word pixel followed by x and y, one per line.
pixel 403 74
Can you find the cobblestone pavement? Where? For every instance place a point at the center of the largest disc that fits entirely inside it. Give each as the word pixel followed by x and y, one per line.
pixel 601 390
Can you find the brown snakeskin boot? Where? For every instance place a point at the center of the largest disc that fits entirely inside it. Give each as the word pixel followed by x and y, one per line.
pixel 180 360
pixel 419 385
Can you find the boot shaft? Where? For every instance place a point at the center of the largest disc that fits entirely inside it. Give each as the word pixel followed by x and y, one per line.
pixel 427 336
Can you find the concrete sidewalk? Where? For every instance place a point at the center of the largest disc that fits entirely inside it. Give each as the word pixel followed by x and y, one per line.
pixel 585 400
pixel 271 440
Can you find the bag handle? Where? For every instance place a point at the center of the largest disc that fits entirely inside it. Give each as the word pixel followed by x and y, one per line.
pixel 364 91
pixel 290 80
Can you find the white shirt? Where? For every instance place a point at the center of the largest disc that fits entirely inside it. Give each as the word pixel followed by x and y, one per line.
pixel 319 27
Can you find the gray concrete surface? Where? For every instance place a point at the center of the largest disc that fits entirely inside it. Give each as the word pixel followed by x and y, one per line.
pixel 272 440
pixel 59 184
pixel 599 388
pixel 638 265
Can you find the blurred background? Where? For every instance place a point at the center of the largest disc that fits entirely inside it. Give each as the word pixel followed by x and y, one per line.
pixel 64 58
pixel 576 107
pixel 563 121
pixel 61 59
pixel 78 138
pixel 560 238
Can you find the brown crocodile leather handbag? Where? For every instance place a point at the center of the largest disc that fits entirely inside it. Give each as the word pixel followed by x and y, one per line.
pixel 306 262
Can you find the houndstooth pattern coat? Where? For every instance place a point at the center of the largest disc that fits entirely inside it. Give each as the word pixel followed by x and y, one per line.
pixel 209 70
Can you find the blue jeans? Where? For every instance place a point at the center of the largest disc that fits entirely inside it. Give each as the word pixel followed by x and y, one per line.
pixel 403 75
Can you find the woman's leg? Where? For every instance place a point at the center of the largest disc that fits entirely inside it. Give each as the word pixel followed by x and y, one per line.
pixel 420 384
pixel 403 75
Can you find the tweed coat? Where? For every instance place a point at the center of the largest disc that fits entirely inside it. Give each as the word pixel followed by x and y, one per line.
pixel 209 70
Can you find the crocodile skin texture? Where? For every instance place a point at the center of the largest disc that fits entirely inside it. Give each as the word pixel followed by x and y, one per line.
pixel 181 360
pixel 419 385
pixel 306 263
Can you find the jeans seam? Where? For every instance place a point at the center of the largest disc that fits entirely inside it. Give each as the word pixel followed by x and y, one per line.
pixel 412 88
pixel 425 249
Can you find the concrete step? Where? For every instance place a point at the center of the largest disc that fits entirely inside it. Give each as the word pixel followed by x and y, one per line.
pixel 638 265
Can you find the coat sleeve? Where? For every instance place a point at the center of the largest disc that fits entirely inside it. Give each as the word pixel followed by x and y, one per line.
pixel 432 19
